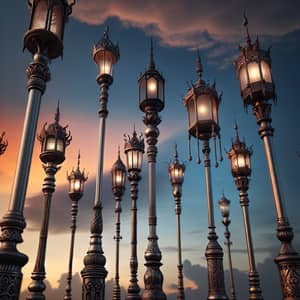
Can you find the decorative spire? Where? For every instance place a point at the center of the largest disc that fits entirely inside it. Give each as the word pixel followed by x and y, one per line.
pixel 248 39
pixel 57 114
pixel 151 63
pixel 78 160
pixel 237 138
pixel 199 68
pixel 175 152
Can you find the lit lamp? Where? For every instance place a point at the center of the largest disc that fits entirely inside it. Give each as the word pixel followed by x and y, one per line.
pixel 105 54
pixel 224 206
pixel 118 175
pixel 239 156
pixel 253 67
pixel 51 155
pixel 202 103
pixel 152 101
pixel 176 175
pixel 77 179
pixel 3 143
pixel 134 150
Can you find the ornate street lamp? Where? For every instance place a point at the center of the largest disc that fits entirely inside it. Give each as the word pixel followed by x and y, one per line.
pixel 44 39
pixel 77 179
pixel 118 174
pixel 134 149
pixel 3 143
pixel 152 101
pixel 176 174
pixel 253 67
pixel 54 139
pixel 202 103
pixel 105 54
pixel 224 206
pixel 240 158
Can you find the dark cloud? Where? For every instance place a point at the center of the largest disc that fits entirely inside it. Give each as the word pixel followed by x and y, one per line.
pixel 174 249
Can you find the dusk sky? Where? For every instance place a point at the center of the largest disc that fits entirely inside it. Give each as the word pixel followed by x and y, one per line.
pixel 178 28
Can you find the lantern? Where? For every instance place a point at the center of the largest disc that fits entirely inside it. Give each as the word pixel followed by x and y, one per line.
pixel 224 206
pixel 118 172
pixel 176 170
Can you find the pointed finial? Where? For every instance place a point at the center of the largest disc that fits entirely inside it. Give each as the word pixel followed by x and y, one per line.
pixel 151 63
pixel 248 39
pixel 78 159
pixel 106 32
pixel 57 114
pixel 175 152
pixel 199 68
pixel 119 157
pixel 236 131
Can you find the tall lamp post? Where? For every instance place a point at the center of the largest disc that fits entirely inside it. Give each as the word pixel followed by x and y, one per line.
pixel 176 174
pixel 118 173
pixel 105 55
pixel 77 179
pixel 134 149
pixel 240 158
pixel 44 39
pixel 54 140
pixel 202 103
pixel 224 206
pixel 3 143
pixel 152 101
pixel 253 67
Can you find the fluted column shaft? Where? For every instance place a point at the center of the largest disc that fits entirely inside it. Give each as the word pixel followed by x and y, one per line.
pixel 153 277
pixel 214 252
pixel 37 286
pixel 94 272
pixel 133 292
pixel 288 260
pixel 13 222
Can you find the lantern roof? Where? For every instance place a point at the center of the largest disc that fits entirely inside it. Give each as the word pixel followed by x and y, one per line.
pixel 118 165
pixel 224 201
pixel 134 142
pixel 56 130
pixel 77 173
pixel 176 164
pixel 105 44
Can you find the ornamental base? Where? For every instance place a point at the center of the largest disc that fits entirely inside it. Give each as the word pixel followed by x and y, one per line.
pixel 255 292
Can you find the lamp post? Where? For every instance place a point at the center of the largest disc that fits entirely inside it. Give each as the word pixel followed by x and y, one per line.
pixel 240 158
pixel 152 101
pixel 134 149
pixel 176 174
pixel 105 55
pixel 118 173
pixel 3 143
pixel 253 67
pixel 44 39
pixel 54 140
pixel 202 103
pixel 77 179
pixel 224 206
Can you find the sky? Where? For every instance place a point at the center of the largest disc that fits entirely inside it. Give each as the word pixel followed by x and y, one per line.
pixel 178 28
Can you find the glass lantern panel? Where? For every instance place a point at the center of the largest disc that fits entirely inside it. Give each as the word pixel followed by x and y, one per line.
pixel 140 160
pixel 224 209
pixel 161 95
pixel 243 78
pixel 40 15
pixel 215 110
pixel 57 21
pixel 118 178
pixel 152 88
pixel 60 145
pixel 143 89
pixel 248 162
pixel 191 112
pixel 266 71
pixel 50 144
pixel 241 161
pixel 204 108
pixel 77 185
pixel 105 63
pixel 254 73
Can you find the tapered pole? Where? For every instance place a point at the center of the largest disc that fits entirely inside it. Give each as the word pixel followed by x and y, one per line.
pixel 214 252
pixel 37 286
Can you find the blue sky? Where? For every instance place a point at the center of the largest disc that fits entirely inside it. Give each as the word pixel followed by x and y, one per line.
pixel 175 39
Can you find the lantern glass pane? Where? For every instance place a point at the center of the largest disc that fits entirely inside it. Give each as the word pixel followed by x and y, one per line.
pixel 266 71
pixel 40 15
pixel 50 144
pixel 106 63
pixel 241 162
pixel 56 25
pixel 77 185
pixel 215 110
pixel 152 87
pixel 140 160
pixel 254 73
pixel 143 89
pixel 243 78
pixel 191 112
pixel 161 90
pixel 224 209
pixel 118 178
pixel 60 145
pixel 204 108
pixel 248 162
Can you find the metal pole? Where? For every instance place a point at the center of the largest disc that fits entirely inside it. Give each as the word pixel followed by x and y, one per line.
pixel 74 211
pixel 13 222
pixel 133 292
pixel 153 278
pixel 214 252
pixel 117 237
pixel 288 260
pixel 37 286
pixel 94 272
